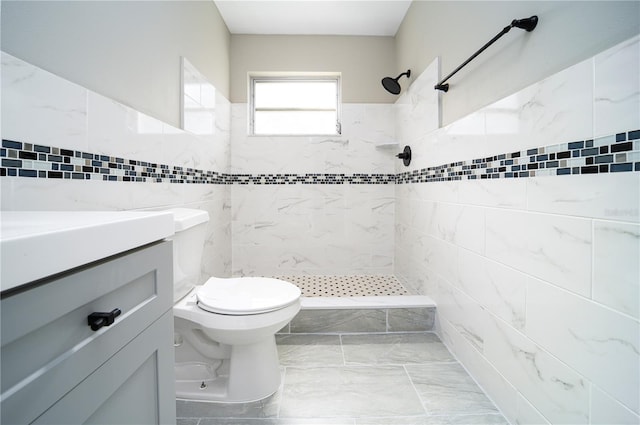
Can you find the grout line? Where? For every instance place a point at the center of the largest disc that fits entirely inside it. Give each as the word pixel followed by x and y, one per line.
pixel 426 411
pixel 281 390
pixel 344 357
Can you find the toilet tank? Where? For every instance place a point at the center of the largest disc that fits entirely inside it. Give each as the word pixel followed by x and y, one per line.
pixel 188 244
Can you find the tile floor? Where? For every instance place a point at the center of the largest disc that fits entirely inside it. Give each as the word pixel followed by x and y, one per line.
pixel 359 379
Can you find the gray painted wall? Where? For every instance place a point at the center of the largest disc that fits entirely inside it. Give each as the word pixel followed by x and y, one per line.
pixel 363 62
pixel 126 50
pixel 568 32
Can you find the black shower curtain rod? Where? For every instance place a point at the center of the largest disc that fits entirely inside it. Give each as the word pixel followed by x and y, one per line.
pixel 527 24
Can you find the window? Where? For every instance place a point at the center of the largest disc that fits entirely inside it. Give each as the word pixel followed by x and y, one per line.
pixel 295 105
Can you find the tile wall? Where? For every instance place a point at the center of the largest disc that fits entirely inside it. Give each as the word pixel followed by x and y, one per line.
pixel 341 222
pixel 94 152
pixel 536 279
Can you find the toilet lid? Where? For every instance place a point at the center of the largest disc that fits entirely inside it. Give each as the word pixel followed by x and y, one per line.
pixel 246 295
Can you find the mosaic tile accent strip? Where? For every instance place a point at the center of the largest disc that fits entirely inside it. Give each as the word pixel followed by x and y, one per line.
pixel 347 286
pixel 313 178
pixel 29 160
pixel 610 154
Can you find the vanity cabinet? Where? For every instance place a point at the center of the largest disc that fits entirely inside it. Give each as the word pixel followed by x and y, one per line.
pixel 55 369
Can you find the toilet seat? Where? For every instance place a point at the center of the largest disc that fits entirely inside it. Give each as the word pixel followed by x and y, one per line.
pixel 245 295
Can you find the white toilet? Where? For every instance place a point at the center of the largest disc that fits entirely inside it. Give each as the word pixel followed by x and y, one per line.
pixel 224 329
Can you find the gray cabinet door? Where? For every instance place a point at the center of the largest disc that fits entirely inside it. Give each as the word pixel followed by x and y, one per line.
pixel 131 388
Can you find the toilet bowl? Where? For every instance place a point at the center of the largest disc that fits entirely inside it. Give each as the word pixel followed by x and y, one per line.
pixel 225 328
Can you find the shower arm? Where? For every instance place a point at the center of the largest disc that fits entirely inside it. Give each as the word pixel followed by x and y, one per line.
pixel 527 24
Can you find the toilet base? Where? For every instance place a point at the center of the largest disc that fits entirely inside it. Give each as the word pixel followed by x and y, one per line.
pixel 251 373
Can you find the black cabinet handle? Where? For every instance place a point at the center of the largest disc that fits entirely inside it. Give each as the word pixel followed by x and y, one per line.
pixel 98 320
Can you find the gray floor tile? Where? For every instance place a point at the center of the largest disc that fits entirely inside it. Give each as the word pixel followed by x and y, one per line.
pixel 393 379
pixel 295 421
pixel 394 349
pixel 447 389
pixel 309 350
pixel 267 408
pixel 487 419
pixel 348 391
pixel 286 421
pixel 187 421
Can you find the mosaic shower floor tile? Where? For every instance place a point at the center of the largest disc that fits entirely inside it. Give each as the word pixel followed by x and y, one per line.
pixel 347 286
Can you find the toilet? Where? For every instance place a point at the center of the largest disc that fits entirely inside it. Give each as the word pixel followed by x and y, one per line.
pixel 225 329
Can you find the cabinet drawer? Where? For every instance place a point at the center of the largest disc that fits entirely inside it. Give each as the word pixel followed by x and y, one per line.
pixel 47 344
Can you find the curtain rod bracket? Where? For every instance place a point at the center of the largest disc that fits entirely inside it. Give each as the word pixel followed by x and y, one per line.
pixel 527 24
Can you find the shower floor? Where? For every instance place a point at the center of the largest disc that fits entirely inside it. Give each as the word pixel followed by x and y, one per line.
pixel 347 286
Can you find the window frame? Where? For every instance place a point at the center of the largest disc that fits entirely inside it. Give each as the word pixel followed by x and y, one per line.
pixel 289 77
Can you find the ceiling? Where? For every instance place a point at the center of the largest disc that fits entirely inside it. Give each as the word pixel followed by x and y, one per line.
pixel 313 17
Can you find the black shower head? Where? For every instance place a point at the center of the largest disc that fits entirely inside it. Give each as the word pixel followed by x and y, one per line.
pixel 391 84
pixel 527 24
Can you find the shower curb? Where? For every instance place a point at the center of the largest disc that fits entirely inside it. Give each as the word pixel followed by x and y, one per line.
pixel 383 314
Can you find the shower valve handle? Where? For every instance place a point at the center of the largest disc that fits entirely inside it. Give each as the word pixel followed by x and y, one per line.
pixel 405 156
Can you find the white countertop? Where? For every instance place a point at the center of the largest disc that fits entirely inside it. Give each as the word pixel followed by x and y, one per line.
pixel 37 244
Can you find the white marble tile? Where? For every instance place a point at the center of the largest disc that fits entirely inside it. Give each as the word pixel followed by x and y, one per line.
pixel 117 130
pixel 616 269
pixel 462 312
pixel 369 123
pixel 417 111
pixel 184 149
pixel 355 151
pixel 606 411
pixel 216 258
pixel 558 392
pixel 499 289
pixel 459 225
pixel 198 112
pixel 499 390
pixel 554 248
pixel 464 139
pixel 602 345
pixel 20 194
pixel 438 191
pixel 555 110
pixel 351 226
pixel 617 89
pixel 614 196
pixel 527 414
pixel 501 193
pixel 32 95
pixel 438 255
